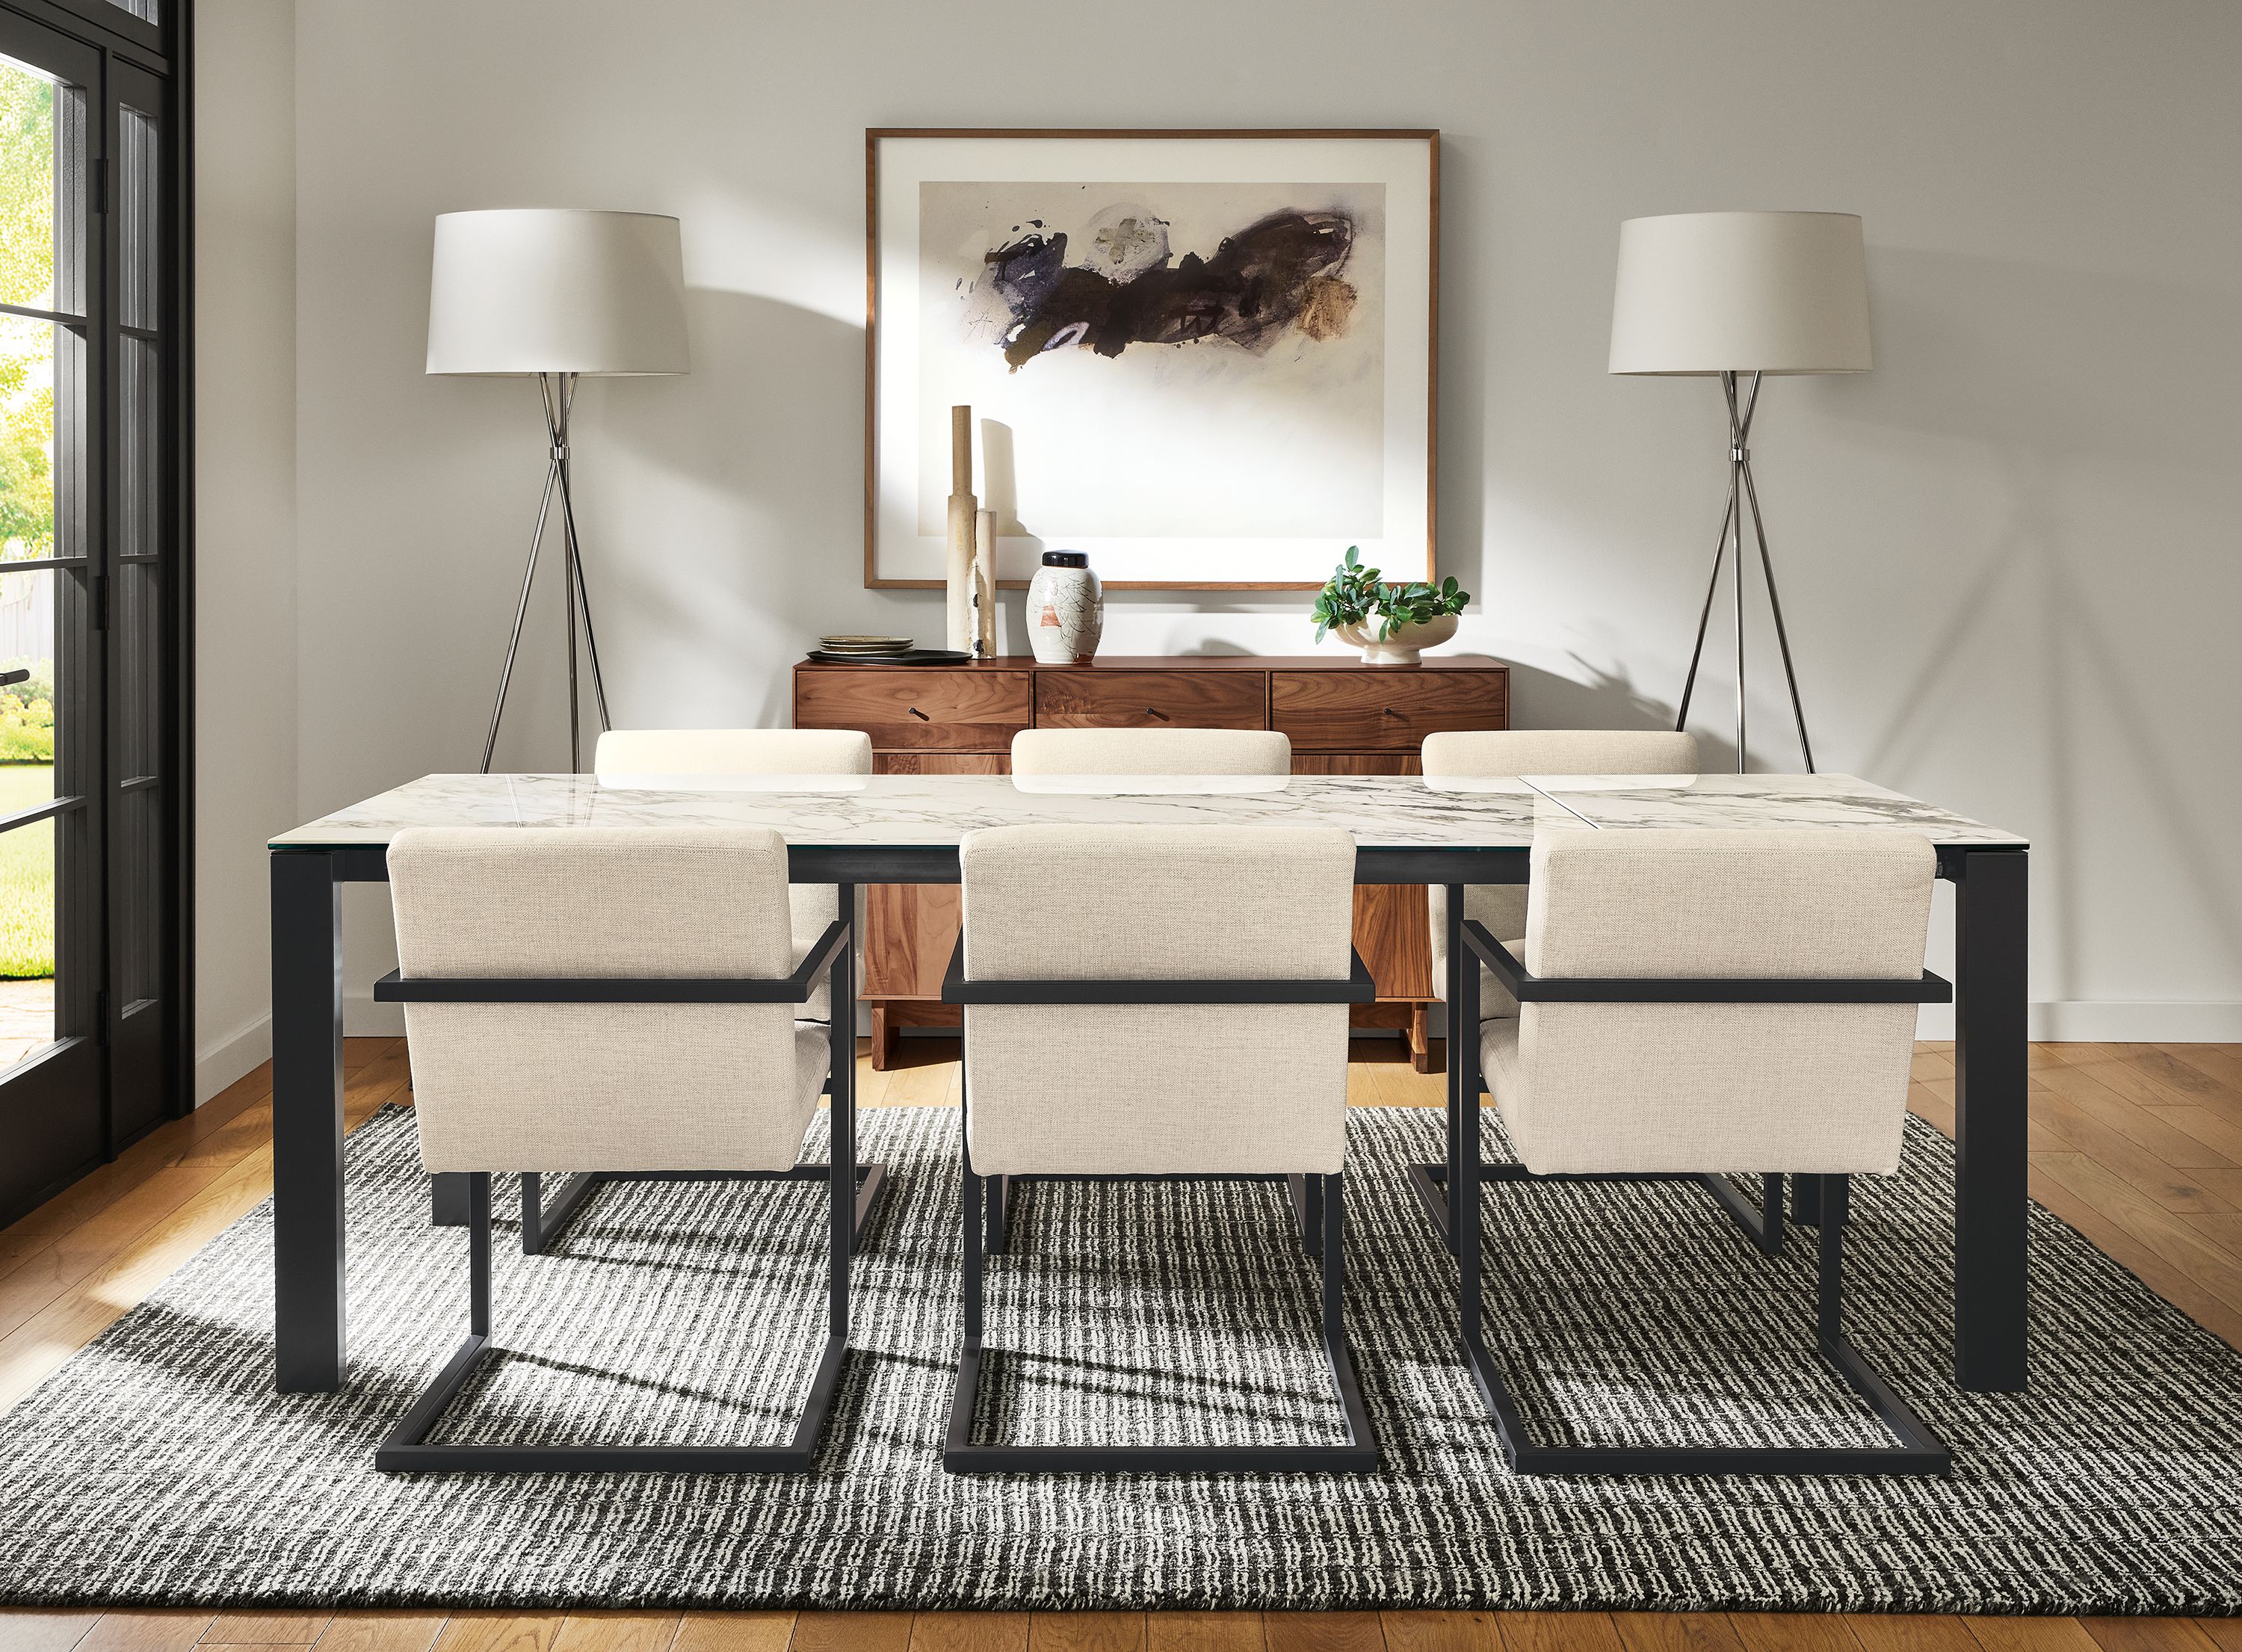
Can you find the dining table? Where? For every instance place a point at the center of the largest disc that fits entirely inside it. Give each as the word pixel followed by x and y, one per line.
pixel 848 830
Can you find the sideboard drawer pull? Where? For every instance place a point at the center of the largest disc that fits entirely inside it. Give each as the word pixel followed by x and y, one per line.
pixel 921 715
pixel 1154 711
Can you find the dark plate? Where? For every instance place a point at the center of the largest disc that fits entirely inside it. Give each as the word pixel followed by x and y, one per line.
pixel 915 657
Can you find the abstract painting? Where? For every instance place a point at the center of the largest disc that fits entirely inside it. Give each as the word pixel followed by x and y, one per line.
pixel 1205 361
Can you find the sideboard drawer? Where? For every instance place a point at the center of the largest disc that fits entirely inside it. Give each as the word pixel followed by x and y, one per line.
pixel 1393 710
pixel 1151 699
pixel 958 710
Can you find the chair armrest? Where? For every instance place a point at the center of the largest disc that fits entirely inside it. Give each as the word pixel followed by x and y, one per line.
pixel 796 988
pixel 1926 988
pixel 1359 988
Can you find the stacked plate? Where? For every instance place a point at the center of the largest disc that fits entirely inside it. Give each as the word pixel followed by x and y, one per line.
pixel 865 647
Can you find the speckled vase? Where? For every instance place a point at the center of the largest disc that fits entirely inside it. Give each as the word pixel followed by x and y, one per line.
pixel 1066 610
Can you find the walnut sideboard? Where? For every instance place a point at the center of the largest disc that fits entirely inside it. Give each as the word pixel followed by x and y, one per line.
pixel 1344 718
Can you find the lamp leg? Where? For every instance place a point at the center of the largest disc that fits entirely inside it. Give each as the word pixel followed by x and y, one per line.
pixel 1705 614
pixel 1774 602
pixel 521 610
pixel 579 596
pixel 1739 424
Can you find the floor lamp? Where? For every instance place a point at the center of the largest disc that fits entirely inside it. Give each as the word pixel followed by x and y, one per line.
pixel 555 295
pixel 1737 296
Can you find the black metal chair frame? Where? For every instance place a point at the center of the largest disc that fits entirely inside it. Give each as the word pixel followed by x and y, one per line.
pixel 406 1448
pixel 1920 1451
pixel 1318 1202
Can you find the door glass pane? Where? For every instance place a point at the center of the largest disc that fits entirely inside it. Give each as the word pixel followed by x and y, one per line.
pixel 28 908
pixel 146 10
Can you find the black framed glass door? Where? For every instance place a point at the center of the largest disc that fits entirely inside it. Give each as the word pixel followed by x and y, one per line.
pixel 90 829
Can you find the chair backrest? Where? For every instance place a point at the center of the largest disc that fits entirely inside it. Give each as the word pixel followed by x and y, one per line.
pixel 1120 1088
pixel 731 751
pixel 1150 751
pixel 1507 753
pixel 1804 1087
pixel 601 1086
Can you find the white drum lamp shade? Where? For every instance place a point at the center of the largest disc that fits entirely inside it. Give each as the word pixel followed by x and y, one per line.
pixel 1740 293
pixel 556 290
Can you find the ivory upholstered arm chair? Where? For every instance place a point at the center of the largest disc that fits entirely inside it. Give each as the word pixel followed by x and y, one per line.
pixel 681 754
pixel 1179 1012
pixel 1150 751
pixel 623 1003
pixel 1700 1003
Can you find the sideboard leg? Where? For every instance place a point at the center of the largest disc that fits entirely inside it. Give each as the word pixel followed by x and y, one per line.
pixel 883 1039
pixel 1420 1039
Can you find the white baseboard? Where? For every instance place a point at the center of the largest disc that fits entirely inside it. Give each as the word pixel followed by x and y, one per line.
pixel 218 1065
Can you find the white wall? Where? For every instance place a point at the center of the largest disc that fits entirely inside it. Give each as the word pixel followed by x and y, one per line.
pixel 245 511
pixel 2009 555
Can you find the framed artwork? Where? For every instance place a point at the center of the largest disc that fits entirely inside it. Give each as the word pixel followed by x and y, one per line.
pixel 1204 359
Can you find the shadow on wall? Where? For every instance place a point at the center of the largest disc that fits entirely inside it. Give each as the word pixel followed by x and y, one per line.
pixel 2079 384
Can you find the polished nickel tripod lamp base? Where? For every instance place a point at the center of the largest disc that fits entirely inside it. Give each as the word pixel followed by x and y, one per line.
pixel 558 394
pixel 1743 494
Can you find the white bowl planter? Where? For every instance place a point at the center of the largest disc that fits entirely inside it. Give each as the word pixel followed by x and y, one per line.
pixel 1403 648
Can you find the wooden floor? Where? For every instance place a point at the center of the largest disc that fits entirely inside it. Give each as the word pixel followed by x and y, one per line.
pixel 2138 1145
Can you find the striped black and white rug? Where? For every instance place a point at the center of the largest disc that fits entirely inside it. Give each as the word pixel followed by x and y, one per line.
pixel 159 1465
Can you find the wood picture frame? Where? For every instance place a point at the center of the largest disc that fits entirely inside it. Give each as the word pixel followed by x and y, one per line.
pixel 1354 405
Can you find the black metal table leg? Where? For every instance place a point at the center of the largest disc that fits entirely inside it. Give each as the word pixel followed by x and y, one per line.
pixel 448 1199
pixel 1463 1134
pixel 311 1340
pixel 1990 1107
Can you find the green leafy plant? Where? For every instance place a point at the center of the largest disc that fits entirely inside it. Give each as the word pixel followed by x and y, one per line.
pixel 1355 595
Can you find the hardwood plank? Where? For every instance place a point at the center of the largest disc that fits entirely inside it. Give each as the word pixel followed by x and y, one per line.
pixel 970 1632
pixel 852 1632
pixel 381 1632
pixel 1322 1632
pixel 618 1632
pixel 1906 1632
pixel 150 1630
pixel 42 1631
pixel 1676 1632
pixel 1203 1632
pixel 1558 1631
pixel 2086 1129
pixel 2143 1124
pixel 2030 1634
pixel 2168 1279
pixel 2226 1631
pixel 2152 1076
pixel 1792 1632
pixel 2148 1635
pixel 1440 1631
pixel 734 1632
pixel 1085 1632
pixel 2220 1061
pixel 266 1629
pixel 2215 1131
pixel 500 1632
pixel 2159 1229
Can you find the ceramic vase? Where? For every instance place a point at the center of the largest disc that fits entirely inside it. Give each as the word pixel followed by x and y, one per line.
pixel 1403 648
pixel 1066 610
